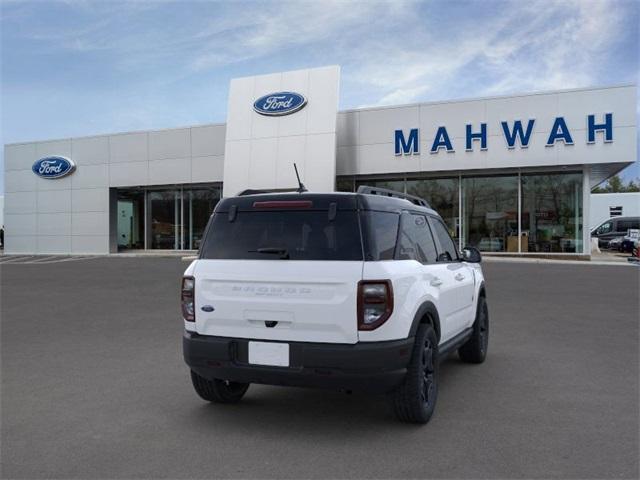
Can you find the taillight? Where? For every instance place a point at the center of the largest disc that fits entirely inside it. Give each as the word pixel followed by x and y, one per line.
pixel 375 303
pixel 187 299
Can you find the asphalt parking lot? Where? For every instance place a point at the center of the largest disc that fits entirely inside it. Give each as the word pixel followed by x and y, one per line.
pixel 94 386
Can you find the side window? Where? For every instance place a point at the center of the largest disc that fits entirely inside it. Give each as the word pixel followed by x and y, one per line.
pixel 604 228
pixel 624 225
pixel 416 242
pixel 447 251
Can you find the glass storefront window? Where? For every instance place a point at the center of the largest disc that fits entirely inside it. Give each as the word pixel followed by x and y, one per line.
pixel 164 219
pixel 344 184
pixel 130 219
pixel 198 205
pixel 171 218
pixel 552 212
pixel 490 213
pixel 442 194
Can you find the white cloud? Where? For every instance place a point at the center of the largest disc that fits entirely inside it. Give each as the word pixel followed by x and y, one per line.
pixel 535 46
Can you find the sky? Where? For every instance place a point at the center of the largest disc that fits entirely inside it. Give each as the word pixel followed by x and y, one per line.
pixel 82 67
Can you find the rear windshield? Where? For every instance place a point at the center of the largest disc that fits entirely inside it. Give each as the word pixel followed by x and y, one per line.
pixel 284 235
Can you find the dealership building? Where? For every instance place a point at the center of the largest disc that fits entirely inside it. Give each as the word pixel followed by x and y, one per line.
pixel 509 174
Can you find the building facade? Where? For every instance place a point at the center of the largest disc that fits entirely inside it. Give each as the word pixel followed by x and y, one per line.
pixel 508 174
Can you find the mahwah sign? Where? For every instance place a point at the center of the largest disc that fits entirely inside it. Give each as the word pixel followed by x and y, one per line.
pixel 515 134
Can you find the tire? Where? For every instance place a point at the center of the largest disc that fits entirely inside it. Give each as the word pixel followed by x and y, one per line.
pixel 414 401
pixel 475 349
pixel 218 391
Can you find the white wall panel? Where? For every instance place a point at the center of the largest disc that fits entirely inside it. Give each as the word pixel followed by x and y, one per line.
pixel 90 223
pixel 20 156
pixel 320 164
pixel 89 244
pixel 20 202
pixel 207 169
pixel 57 244
pixel 19 181
pixel 54 147
pixel 290 149
pixel 207 140
pixel 129 174
pixel 54 223
pixel 63 183
pixel 324 92
pixel 90 200
pixel 542 108
pixel 236 173
pixel 90 150
pixel 54 201
pixel 164 144
pixel 91 176
pixel 175 170
pixel 378 126
pixel 128 147
pixel 264 156
pixel 20 224
pixel 239 117
pixel 16 244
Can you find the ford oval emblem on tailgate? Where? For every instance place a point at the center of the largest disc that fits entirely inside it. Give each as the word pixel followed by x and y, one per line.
pixel 207 308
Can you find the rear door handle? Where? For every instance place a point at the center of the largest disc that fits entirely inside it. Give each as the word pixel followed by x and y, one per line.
pixel 436 282
pixel 459 277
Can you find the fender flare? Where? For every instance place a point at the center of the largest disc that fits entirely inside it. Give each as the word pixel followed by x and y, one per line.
pixel 481 290
pixel 427 308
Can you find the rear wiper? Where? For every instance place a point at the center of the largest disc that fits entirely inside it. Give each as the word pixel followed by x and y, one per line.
pixel 284 254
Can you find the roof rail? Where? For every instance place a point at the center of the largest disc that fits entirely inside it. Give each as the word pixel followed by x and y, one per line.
pixel 250 191
pixel 392 193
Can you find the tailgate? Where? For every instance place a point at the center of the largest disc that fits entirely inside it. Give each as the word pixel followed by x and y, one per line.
pixel 307 301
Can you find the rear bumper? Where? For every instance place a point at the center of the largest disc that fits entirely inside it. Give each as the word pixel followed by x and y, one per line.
pixel 369 367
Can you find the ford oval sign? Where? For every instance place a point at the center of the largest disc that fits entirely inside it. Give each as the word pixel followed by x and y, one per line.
pixel 53 167
pixel 281 103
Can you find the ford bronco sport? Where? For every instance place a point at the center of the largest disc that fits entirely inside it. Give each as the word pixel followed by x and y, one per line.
pixel 352 291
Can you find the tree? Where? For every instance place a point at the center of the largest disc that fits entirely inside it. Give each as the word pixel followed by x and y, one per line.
pixel 616 185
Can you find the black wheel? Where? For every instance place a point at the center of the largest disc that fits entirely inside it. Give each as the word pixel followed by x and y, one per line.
pixel 475 349
pixel 218 391
pixel 415 400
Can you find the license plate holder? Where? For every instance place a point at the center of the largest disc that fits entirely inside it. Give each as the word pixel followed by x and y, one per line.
pixel 269 353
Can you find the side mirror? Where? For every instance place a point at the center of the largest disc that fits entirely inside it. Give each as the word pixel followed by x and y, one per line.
pixel 471 255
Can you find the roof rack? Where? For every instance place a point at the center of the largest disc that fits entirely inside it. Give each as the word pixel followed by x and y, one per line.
pixel 250 191
pixel 392 193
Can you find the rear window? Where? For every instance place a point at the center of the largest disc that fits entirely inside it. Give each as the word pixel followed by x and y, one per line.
pixel 274 235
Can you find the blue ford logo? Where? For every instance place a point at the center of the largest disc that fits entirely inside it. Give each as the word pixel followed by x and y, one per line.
pixel 281 103
pixel 53 167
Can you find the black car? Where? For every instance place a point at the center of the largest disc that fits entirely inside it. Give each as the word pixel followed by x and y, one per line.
pixel 612 228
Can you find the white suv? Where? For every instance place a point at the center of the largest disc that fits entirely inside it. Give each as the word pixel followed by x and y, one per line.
pixel 351 291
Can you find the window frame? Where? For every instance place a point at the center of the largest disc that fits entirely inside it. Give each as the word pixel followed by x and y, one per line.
pixel 439 248
pixel 403 215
